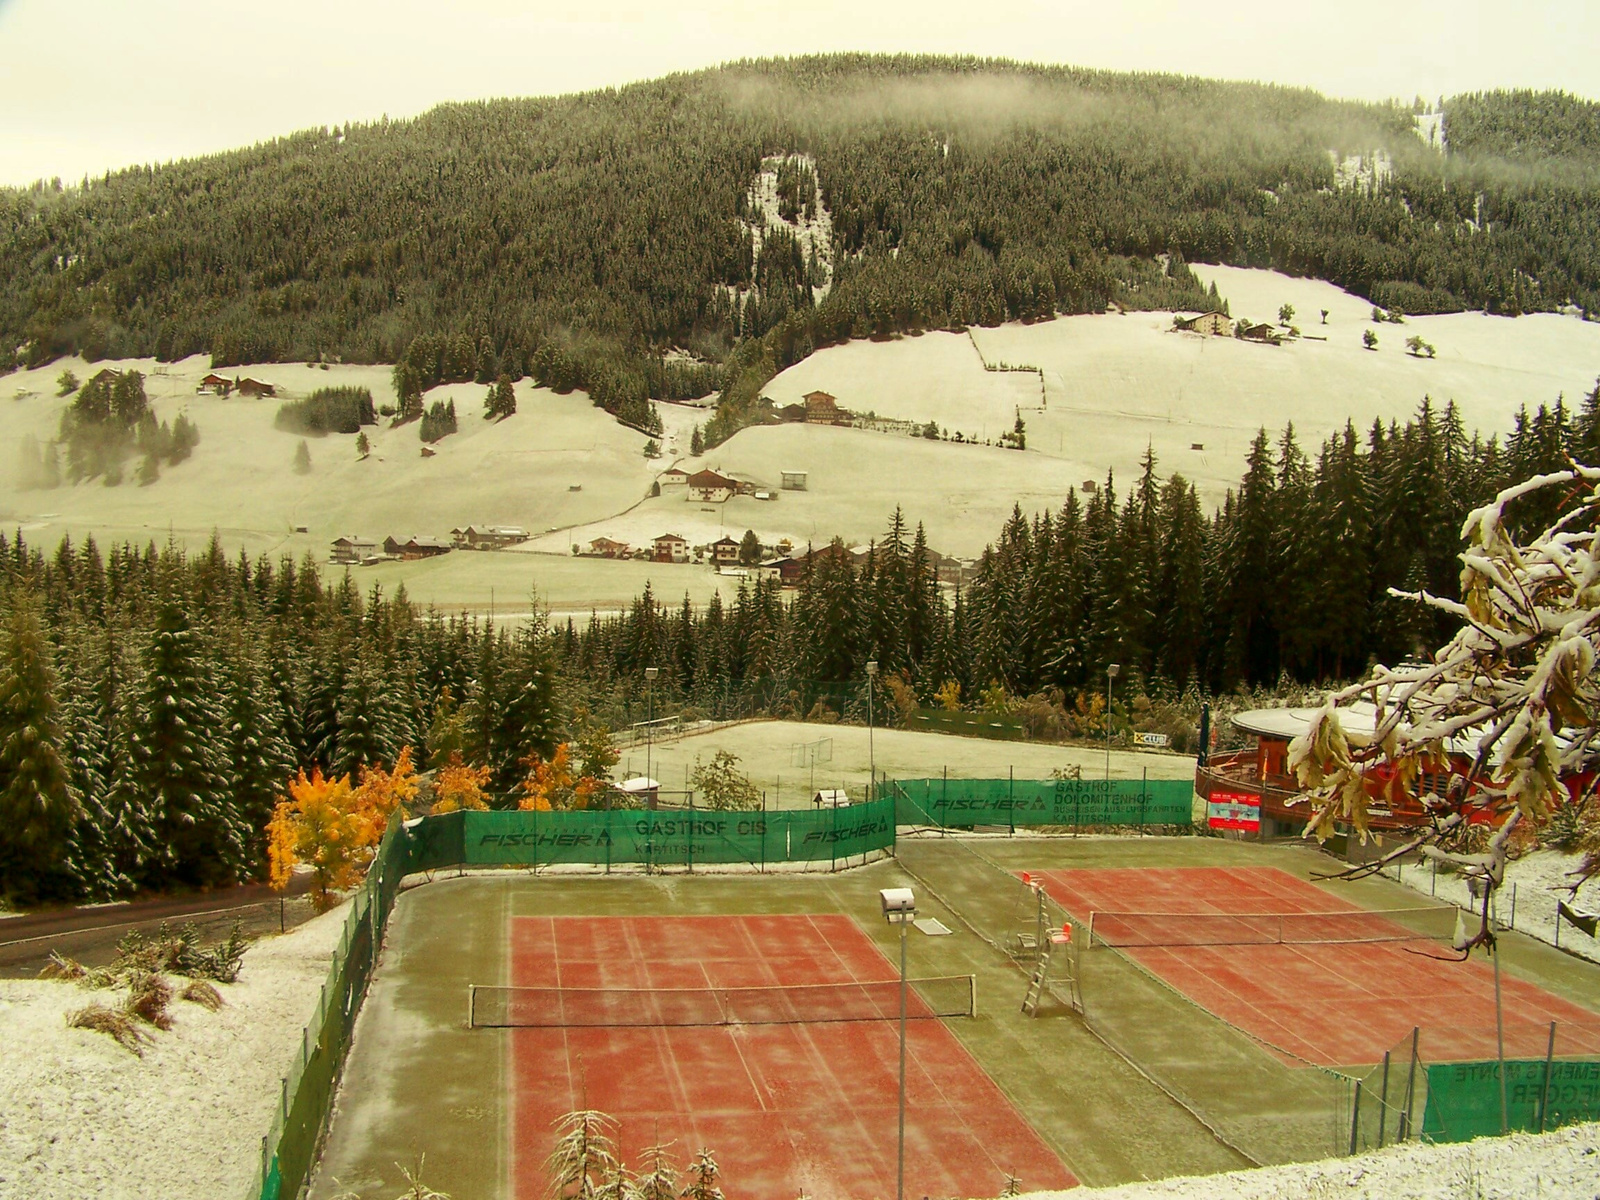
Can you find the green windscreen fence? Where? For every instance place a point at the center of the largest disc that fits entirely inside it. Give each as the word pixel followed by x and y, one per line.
pixel 306 1092
pixel 955 803
pixel 1464 1098
pixel 652 838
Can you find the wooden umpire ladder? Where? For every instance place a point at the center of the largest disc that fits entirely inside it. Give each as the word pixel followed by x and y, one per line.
pixel 1045 940
pixel 1041 968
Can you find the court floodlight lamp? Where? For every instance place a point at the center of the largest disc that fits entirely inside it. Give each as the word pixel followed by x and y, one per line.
pixel 899 904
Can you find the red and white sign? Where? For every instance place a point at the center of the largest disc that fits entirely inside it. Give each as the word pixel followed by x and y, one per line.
pixel 1234 810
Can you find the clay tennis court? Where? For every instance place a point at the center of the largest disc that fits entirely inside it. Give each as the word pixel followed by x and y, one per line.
pixel 1329 1000
pixel 788 1108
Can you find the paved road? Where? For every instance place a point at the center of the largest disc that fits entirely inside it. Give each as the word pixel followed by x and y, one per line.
pixel 90 933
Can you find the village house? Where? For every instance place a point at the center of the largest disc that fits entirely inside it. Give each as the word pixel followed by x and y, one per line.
pixel 673 477
pixel 823 409
pixel 352 548
pixel 669 547
pixel 415 547
pixel 711 487
pixel 725 551
pixel 488 537
pixel 1214 323
pixel 792 414
pixel 215 384
pixel 1261 333
pixel 604 547
pixel 254 387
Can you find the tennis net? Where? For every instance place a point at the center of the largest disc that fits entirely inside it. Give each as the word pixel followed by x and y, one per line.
pixel 1134 929
pixel 543 1007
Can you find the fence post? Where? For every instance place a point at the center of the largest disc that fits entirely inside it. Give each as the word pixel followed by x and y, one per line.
pixel 944 804
pixel 1011 799
pixel 1144 798
pixel 1544 1092
pixel 1355 1117
pixel 1513 904
pixel 1404 1130
pixel 1383 1100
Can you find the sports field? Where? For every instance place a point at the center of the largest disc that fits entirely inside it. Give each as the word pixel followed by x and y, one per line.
pixel 791 1106
pixel 1149 1081
pixel 1256 972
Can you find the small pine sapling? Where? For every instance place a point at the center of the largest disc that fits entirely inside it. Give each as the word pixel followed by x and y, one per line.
pixel 585 1156
pixel 1369 339
pixel 1012 1186
pixel 302 459
pixel 704 1182
pixel 659 1179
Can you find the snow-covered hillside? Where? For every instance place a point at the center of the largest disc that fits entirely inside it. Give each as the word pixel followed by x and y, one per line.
pixel 80 1116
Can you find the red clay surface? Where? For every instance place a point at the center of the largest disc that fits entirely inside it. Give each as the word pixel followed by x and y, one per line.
pixel 787 1109
pixel 1338 1004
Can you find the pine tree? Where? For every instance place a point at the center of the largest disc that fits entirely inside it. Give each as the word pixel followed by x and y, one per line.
pixel 697 442
pixel 369 733
pixel 260 760
pixel 178 759
pixel 37 810
pixel 302 459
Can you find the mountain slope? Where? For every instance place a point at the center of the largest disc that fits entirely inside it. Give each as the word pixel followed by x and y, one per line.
pixel 579 239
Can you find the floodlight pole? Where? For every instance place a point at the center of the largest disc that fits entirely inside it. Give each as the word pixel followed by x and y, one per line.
pixel 872 761
pixel 1112 672
pixel 900 907
pixel 900 1175
pixel 650 674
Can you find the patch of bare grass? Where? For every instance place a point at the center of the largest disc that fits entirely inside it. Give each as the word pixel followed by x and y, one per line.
pixel 198 991
pixel 116 1023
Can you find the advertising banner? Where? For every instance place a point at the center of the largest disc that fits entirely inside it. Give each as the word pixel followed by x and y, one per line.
pixel 1234 810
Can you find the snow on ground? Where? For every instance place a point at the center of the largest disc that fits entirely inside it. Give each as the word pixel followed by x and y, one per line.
pixel 1564 1165
pixel 766 753
pixel 80 1116
pixel 856 479
pixel 1113 384
pixel 240 480
pixel 1537 880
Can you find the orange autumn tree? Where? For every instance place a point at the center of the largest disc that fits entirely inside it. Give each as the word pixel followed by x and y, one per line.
pixel 551 784
pixel 334 828
pixel 457 786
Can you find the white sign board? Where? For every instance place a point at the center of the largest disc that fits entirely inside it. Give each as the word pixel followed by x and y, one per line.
pixel 1150 739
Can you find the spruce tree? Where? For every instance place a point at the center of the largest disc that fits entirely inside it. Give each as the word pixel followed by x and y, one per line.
pixel 179 758
pixel 37 810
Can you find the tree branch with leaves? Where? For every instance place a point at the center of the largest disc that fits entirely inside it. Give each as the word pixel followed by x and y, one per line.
pixel 1516 689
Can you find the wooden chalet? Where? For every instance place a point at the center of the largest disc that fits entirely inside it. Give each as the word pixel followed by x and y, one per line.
pixel 416 547
pixel 255 388
pixel 823 409
pixel 215 384
pixel 725 551
pixel 604 547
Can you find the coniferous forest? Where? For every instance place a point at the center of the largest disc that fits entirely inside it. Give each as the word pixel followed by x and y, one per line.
pixel 1289 581
pixel 155 704
pixel 579 239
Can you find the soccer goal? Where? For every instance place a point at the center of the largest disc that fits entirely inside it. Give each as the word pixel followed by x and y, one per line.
pixel 809 754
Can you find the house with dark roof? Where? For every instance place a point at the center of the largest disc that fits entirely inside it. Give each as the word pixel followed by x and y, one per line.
pixel 711 487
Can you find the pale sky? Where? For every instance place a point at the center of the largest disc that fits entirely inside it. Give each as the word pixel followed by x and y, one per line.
pixel 87 85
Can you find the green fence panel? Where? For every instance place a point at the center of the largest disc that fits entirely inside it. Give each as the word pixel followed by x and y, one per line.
pixel 1464 1098
pixel 437 842
pixel 962 802
pixel 669 837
